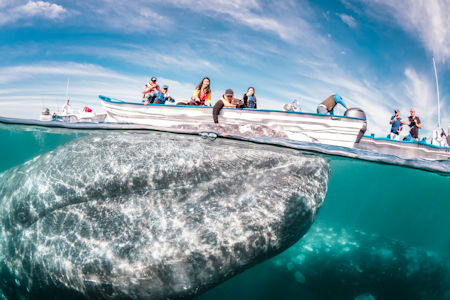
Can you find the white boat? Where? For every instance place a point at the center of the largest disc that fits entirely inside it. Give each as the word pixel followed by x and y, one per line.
pixel 404 149
pixel 83 117
pixel 303 127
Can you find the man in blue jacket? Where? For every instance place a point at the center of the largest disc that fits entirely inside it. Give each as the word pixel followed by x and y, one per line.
pixel 396 127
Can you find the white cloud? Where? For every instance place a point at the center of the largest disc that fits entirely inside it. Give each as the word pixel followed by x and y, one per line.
pixel 279 20
pixel 42 8
pixel 349 20
pixel 420 94
pixel 26 89
pixel 25 72
pixel 13 11
pixel 427 20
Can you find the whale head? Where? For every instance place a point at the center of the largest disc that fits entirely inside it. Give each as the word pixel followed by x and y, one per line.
pixel 154 215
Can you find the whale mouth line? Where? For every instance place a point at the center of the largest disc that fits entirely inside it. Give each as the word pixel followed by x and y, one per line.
pixel 64 205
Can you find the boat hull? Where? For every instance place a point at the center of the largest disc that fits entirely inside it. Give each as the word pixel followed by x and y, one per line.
pixel 403 149
pixel 303 127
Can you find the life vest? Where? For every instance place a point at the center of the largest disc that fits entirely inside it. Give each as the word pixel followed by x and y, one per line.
pixel 329 103
pixel 202 96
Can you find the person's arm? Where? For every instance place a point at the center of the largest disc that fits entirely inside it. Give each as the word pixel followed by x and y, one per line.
pixel 392 120
pixel 418 124
pixel 208 99
pixel 404 122
pixel 245 98
pixel 339 100
pixel 145 89
pixel 195 95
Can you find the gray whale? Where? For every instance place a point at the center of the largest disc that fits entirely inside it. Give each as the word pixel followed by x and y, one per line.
pixel 131 216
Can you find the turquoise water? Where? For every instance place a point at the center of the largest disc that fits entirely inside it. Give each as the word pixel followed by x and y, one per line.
pixel 392 204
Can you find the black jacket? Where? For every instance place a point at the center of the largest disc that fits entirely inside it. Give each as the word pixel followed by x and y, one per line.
pixel 245 98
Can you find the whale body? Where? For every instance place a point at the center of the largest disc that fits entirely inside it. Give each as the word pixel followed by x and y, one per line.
pixel 154 215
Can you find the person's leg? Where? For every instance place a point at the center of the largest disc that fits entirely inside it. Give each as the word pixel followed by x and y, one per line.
pixel 322 110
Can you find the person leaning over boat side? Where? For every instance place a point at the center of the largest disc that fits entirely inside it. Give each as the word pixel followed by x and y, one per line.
pixel 328 105
pixel 163 95
pixel 396 125
pixel 150 91
pixel 227 100
pixel 250 98
pixel 415 124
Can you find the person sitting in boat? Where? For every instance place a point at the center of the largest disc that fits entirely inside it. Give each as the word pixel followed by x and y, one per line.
pixel 250 98
pixel 328 105
pixel 227 100
pixel 414 123
pixel 201 95
pixel 163 95
pixel 67 109
pixel 396 125
pixel 150 91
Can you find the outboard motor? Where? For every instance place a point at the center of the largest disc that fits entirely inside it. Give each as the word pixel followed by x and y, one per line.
pixel 360 114
pixel 45 115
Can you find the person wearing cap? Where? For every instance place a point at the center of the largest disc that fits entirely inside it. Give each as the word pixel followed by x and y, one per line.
pixel 227 100
pixel 163 95
pixel 328 105
pixel 396 127
pixel 150 91
pixel 414 123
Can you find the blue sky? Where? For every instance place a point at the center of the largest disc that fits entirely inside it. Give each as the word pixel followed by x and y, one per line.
pixel 376 53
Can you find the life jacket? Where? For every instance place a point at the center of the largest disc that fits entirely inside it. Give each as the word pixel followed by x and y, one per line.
pixel 202 96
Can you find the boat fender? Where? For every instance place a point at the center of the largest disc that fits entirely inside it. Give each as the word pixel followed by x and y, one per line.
pixel 211 135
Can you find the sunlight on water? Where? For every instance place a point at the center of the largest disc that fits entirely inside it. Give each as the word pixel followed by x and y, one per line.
pixel 374 216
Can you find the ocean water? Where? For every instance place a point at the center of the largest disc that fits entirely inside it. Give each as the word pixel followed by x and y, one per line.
pixel 383 232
